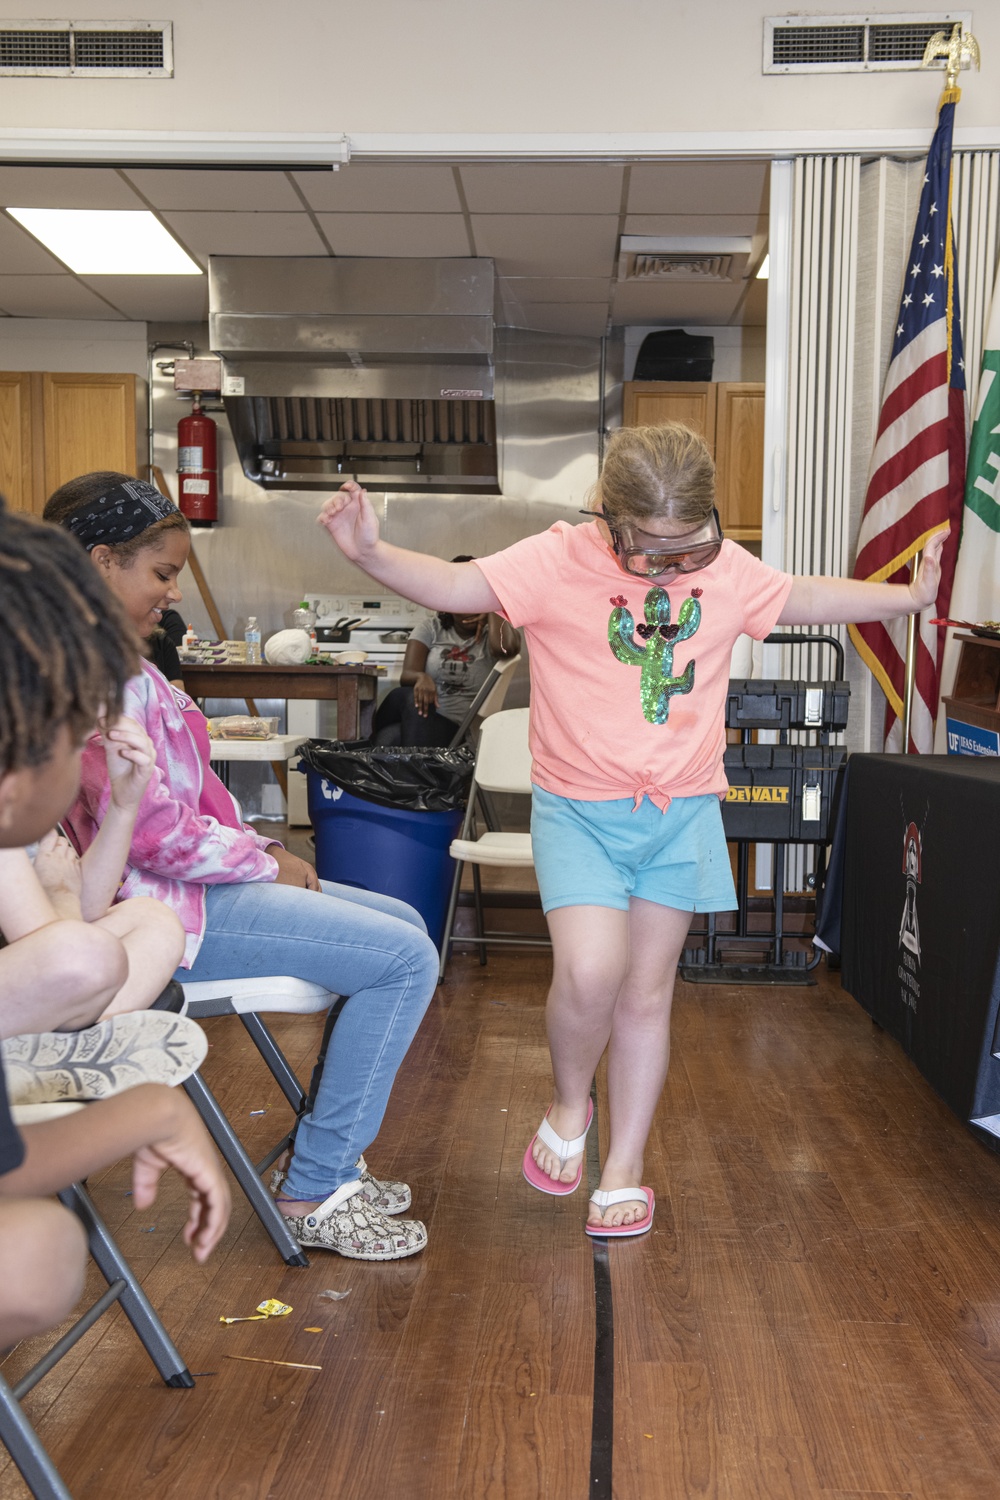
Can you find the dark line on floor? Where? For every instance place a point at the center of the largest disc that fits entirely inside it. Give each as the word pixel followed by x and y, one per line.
pixel 602 1430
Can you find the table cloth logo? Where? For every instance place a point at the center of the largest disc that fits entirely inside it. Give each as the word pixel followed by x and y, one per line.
pixel 909 930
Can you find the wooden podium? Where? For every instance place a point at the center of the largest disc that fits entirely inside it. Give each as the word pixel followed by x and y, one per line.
pixel 975 698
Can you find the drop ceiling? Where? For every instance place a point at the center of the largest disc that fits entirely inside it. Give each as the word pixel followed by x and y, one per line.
pixel 553 229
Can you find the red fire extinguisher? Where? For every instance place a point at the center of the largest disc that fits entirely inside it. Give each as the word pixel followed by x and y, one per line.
pixel 196 466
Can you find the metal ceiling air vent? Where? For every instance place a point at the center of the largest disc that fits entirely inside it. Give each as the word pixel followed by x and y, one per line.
pixel 658 258
pixel 679 268
pixel 853 44
pixel 86 49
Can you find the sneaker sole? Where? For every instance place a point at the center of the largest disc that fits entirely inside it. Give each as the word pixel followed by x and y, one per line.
pixel 117 1054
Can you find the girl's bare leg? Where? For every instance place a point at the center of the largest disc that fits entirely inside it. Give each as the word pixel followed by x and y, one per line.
pixel 590 947
pixel 43 1256
pixel 59 978
pixel 639 1049
pixel 153 939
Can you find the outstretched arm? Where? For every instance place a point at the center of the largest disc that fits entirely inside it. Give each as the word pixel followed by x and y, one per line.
pixel 455 588
pixel 848 601
pixel 158 1127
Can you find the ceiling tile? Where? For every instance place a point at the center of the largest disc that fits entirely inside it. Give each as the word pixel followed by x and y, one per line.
pixel 396 234
pixel 156 299
pixel 254 192
pixel 695 224
pixel 21 254
pixel 50 297
pixel 65 187
pixel 583 318
pixel 207 234
pixel 700 187
pixel 381 188
pixel 684 303
pixel 543 188
pixel 524 289
pixel 548 244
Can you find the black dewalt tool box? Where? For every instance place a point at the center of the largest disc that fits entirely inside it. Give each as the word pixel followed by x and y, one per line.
pixel 781 793
pixel 764 703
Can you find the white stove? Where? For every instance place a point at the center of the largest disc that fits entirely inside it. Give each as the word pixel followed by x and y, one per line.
pixel 382 628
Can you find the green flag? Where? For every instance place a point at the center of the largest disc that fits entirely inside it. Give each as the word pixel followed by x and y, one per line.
pixel 976 592
pixel 975 595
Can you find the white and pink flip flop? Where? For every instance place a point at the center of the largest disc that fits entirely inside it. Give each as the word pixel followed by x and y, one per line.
pixel 534 1175
pixel 604 1201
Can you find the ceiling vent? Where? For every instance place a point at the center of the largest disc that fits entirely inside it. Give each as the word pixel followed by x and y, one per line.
pixel 704 258
pixel 86 49
pixel 854 44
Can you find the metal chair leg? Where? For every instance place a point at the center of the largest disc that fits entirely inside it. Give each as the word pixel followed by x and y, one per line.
pixel 136 1305
pixel 477 891
pixel 25 1448
pixel 449 922
pixel 244 1170
pixel 275 1059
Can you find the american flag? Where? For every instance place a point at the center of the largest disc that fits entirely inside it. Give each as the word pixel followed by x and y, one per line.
pixel 917 471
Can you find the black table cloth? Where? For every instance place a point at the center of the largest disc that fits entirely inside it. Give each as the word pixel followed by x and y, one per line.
pixel 920 919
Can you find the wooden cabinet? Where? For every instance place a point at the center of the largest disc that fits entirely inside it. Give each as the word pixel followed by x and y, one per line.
pixel 56 426
pixel 730 417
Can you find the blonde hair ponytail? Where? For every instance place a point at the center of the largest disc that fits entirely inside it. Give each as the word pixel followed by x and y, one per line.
pixel 657 471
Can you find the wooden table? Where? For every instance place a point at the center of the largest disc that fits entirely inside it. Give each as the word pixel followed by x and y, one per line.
pixel 353 689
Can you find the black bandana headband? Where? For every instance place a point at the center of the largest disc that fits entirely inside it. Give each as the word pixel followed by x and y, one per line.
pixel 120 515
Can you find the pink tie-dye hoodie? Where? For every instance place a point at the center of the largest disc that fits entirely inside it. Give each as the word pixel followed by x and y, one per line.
pixel 176 850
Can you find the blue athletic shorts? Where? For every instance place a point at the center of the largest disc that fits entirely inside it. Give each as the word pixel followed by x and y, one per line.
pixel 602 853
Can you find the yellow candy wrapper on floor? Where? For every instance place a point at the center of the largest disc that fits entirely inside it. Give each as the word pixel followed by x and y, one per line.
pixel 271 1308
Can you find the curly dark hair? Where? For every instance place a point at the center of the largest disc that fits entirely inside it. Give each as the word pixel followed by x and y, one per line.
pixel 66 647
pixel 69 497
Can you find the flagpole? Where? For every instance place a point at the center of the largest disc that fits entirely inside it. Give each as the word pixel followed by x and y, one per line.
pixel 910 670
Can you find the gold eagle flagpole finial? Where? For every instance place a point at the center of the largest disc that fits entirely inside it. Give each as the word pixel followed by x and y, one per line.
pixel 960 50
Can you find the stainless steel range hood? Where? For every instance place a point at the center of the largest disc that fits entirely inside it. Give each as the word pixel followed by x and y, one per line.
pixel 380 370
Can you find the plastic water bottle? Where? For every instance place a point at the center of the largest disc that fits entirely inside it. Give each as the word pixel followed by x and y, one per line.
pixel 252 637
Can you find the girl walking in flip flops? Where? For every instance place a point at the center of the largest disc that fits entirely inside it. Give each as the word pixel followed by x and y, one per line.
pixel 630 620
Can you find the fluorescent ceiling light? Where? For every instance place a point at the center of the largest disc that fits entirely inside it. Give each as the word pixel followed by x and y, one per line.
pixel 764 268
pixel 108 241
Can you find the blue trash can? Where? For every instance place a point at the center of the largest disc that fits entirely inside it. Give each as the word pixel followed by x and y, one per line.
pixel 387 849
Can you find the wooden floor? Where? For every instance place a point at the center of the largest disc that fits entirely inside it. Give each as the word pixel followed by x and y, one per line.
pixel 816 1312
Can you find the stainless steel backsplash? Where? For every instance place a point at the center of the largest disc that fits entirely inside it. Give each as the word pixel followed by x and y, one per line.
pixel 267 551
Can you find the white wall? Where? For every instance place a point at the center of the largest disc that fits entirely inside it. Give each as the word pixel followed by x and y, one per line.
pixel 112 348
pixel 413 67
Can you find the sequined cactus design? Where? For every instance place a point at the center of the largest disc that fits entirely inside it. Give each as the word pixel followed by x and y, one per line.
pixel 656 658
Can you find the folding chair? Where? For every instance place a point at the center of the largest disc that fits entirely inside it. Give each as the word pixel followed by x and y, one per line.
pixel 246 998
pixel 16 1432
pixel 503 764
pixel 489 700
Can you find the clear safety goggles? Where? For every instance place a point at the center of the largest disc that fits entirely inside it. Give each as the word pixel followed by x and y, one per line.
pixel 647 556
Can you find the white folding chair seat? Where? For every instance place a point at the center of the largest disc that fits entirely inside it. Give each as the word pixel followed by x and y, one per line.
pixel 491 848
pixel 246 998
pixel 16 1432
pixel 503 764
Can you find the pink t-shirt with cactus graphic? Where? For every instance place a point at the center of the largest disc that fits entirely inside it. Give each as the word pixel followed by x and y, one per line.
pixel 629 680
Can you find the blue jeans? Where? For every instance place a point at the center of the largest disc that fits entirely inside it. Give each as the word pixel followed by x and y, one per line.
pixel 371 948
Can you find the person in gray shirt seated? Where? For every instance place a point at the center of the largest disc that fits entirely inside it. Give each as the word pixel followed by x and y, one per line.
pixel 448 658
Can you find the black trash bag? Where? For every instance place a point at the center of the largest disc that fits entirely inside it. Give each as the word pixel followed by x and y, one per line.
pixel 413 777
